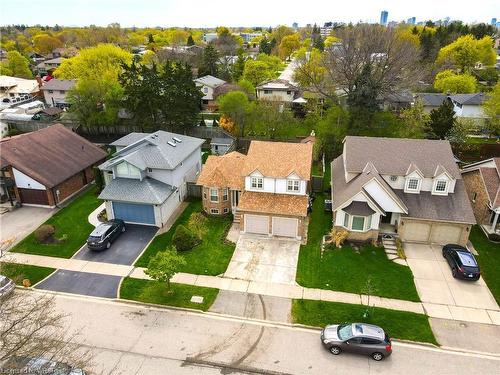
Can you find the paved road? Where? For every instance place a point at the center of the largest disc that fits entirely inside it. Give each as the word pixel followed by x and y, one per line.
pixel 141 340
pixel 126 248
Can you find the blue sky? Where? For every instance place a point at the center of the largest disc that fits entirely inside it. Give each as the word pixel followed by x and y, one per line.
pixel 210 13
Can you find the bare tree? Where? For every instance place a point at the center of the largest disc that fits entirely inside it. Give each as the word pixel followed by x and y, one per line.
pixel 393 60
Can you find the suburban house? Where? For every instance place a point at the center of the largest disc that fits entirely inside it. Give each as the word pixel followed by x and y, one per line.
pixel 220 146
pixel 207 85
pixel 146 179
pixel 482 181
pixel 464 105
pixel 411 187
pixel 278 90
pixel 15 90
pixel 267 190
pixel 49 66
pixel 55 91
pixel 47 166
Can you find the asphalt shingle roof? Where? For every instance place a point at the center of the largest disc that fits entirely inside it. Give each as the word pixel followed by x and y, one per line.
pixel 147 191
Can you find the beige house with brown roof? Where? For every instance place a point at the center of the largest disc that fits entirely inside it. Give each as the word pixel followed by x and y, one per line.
pixel 267 190
pixel 411 188
pixel 482 181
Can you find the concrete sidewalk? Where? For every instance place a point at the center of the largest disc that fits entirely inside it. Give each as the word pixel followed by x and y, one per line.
pixel 266 289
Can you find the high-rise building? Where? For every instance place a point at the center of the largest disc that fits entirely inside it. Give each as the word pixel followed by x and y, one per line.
pixel 384 15
pixel 411 21
pixel 295 25
pixel 493 21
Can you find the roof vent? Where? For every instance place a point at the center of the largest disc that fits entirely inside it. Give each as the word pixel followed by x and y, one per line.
pixel 171 143
pixel 177 140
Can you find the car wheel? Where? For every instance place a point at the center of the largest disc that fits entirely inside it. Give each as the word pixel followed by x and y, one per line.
pixel 335 350
pixel 123 229
pixel 108 245
pixel 377 356
pixel 454 273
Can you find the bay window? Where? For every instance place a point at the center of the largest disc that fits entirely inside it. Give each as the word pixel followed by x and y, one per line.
pixel 214 195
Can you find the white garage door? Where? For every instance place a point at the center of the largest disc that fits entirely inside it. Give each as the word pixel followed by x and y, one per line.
pixel 257 224
pixel 418 232
pixel 285 227
pixel 445 234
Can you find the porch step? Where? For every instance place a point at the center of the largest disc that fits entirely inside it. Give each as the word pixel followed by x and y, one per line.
pixel 400 261
pixel 391 246
pixel 390 251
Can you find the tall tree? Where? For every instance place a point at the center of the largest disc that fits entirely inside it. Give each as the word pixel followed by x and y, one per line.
pixel 239 66
pixel 448 81
pixel 492 109
pixel 236 106
pixel 288 45
pixel 364 92
pixel 190 40
pixel 442 120
pixel 16 65
pixel 210 60
pixel 466 51
pixel 265 46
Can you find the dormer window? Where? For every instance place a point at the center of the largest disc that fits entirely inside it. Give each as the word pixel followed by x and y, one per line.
pixel 293 186
pixel 441 186
pixel 412 185
pixel 257 183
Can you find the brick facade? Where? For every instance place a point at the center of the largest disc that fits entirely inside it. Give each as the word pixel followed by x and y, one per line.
pixel 368 236
pixel 474 185
pixel 302 227
pixel 208 205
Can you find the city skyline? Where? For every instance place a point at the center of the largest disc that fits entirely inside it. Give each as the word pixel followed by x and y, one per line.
pixel 171 13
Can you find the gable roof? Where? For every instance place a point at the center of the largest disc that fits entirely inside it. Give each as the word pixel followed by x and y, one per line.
pixel 59 84
pixel 436 99
pixel 51 155
pixel 279 159
pixel 152 150
pixel 425 154
pixel 223 171
pixel 147 190
pixel 277 84
pixel 431 99
pixel 209 80
pixel 469 99
pixel 490 173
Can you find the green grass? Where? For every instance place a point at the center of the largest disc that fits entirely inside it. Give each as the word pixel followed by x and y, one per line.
pixel 70 222
pixel 211 257
pixel 317 169
pixel 480 140
pixel 348 270
pixel 398 324
pixel 155 292
pixel 19 272
pixel 488 259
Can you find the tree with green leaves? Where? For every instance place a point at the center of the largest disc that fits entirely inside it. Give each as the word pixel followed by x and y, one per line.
pixel 415 120
pixel 257 72
pixel 288 45
pixel 492 109
pixel 164 265
pixel 238 66
pixel 16 65
pixel 364 93
pixel 442 120
pixel 209 64
pixel 190 40
pixel 448 81
pixel 265 46
pixel 237 107
pixel 466 51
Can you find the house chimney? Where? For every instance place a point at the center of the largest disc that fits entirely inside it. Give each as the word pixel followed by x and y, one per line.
pixel 39 80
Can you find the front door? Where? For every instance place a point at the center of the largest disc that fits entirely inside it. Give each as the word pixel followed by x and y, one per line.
pixel 235 200
pixel 387 218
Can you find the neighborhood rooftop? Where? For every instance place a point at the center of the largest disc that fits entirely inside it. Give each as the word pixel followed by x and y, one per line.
pixel 59 84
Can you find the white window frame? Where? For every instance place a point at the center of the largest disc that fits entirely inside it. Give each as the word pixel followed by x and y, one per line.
pixel 441 192
pixel 214 211
pixel 368 222
pixel 364 222
pixel 346 220
pixel 256 181
pixel 408 189
pixel 225 194
pixel 226 210
pixel 293 186
pixel 216 195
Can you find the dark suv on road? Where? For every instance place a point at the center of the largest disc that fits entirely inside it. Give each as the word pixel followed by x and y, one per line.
pixel 103 235
pixel 359 338
pixel 462 263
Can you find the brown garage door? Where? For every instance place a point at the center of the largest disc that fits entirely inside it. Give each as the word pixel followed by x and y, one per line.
pixel 32 196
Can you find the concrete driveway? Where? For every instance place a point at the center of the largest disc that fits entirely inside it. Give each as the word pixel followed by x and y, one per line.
pixel 20 222
pixel 90 284
pixel 262 259
pixel 126 248
pixel 435 284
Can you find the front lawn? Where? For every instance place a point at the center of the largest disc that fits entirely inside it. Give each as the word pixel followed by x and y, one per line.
pixel 72 228
pixel 398 324
pixel 211 257
pixel 19 272
pixel 154 292
pixel 348 269
pixel 488 259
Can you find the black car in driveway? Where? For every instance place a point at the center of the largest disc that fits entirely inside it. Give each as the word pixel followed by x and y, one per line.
pixel 104 234
pixel 358 338
pixel 462 263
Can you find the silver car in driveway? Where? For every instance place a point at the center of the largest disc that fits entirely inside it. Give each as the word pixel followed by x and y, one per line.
pixel 359 338
pixel 6 286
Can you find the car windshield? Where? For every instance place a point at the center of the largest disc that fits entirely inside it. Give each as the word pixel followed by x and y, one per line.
pixel 344 331
pixel 94 238
pixel 467 259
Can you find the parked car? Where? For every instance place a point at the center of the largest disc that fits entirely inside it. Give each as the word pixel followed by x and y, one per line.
pixel 104 234
pixel 6 286
pixel 28 365
pixel 359 338
pixel 462 263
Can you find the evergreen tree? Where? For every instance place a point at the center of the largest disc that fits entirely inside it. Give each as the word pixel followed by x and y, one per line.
pixel 265 46
pixel 239 66
pixel 190 40
pixel 442 119
pixel 365 91
pixel 209 62
pixel 151 39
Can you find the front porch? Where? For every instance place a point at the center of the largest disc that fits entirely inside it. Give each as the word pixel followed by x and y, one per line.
pixel 492 228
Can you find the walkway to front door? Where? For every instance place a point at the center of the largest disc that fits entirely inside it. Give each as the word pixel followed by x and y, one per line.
pixel 263 259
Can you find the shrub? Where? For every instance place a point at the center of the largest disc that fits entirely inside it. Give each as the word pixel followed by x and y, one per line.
pixel 339 236
pixel 45 233
pixel 183 239
pixel 198 224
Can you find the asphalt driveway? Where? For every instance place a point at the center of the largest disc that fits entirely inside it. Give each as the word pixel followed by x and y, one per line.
pixel 435 284
pixel 126 248
pixel 258 258
pixel 90 284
